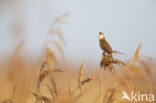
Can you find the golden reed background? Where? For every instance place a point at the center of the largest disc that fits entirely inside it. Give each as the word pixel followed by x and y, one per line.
pixel 50 82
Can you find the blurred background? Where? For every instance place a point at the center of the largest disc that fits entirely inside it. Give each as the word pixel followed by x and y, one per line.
pixel 126 24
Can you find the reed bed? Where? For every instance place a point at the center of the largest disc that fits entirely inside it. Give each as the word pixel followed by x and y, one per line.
pixel 48 82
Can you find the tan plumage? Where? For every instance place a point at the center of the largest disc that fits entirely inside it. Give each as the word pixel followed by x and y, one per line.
pixel 104 44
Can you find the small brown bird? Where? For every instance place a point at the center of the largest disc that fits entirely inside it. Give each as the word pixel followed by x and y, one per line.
pixel 104 44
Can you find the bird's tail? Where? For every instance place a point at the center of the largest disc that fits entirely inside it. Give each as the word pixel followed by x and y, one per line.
pixel 114 51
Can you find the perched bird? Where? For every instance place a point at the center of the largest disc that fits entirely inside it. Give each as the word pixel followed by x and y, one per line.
pixel 104 44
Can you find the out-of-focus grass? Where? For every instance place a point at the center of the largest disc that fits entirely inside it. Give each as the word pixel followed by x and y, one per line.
pixel 24 78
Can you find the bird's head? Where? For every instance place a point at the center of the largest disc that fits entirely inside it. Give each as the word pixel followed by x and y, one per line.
pixel 101 35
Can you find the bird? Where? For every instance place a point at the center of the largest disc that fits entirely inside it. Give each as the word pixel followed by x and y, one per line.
pixel 104 44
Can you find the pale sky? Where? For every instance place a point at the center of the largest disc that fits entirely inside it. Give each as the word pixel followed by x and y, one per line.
pixel 126 24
